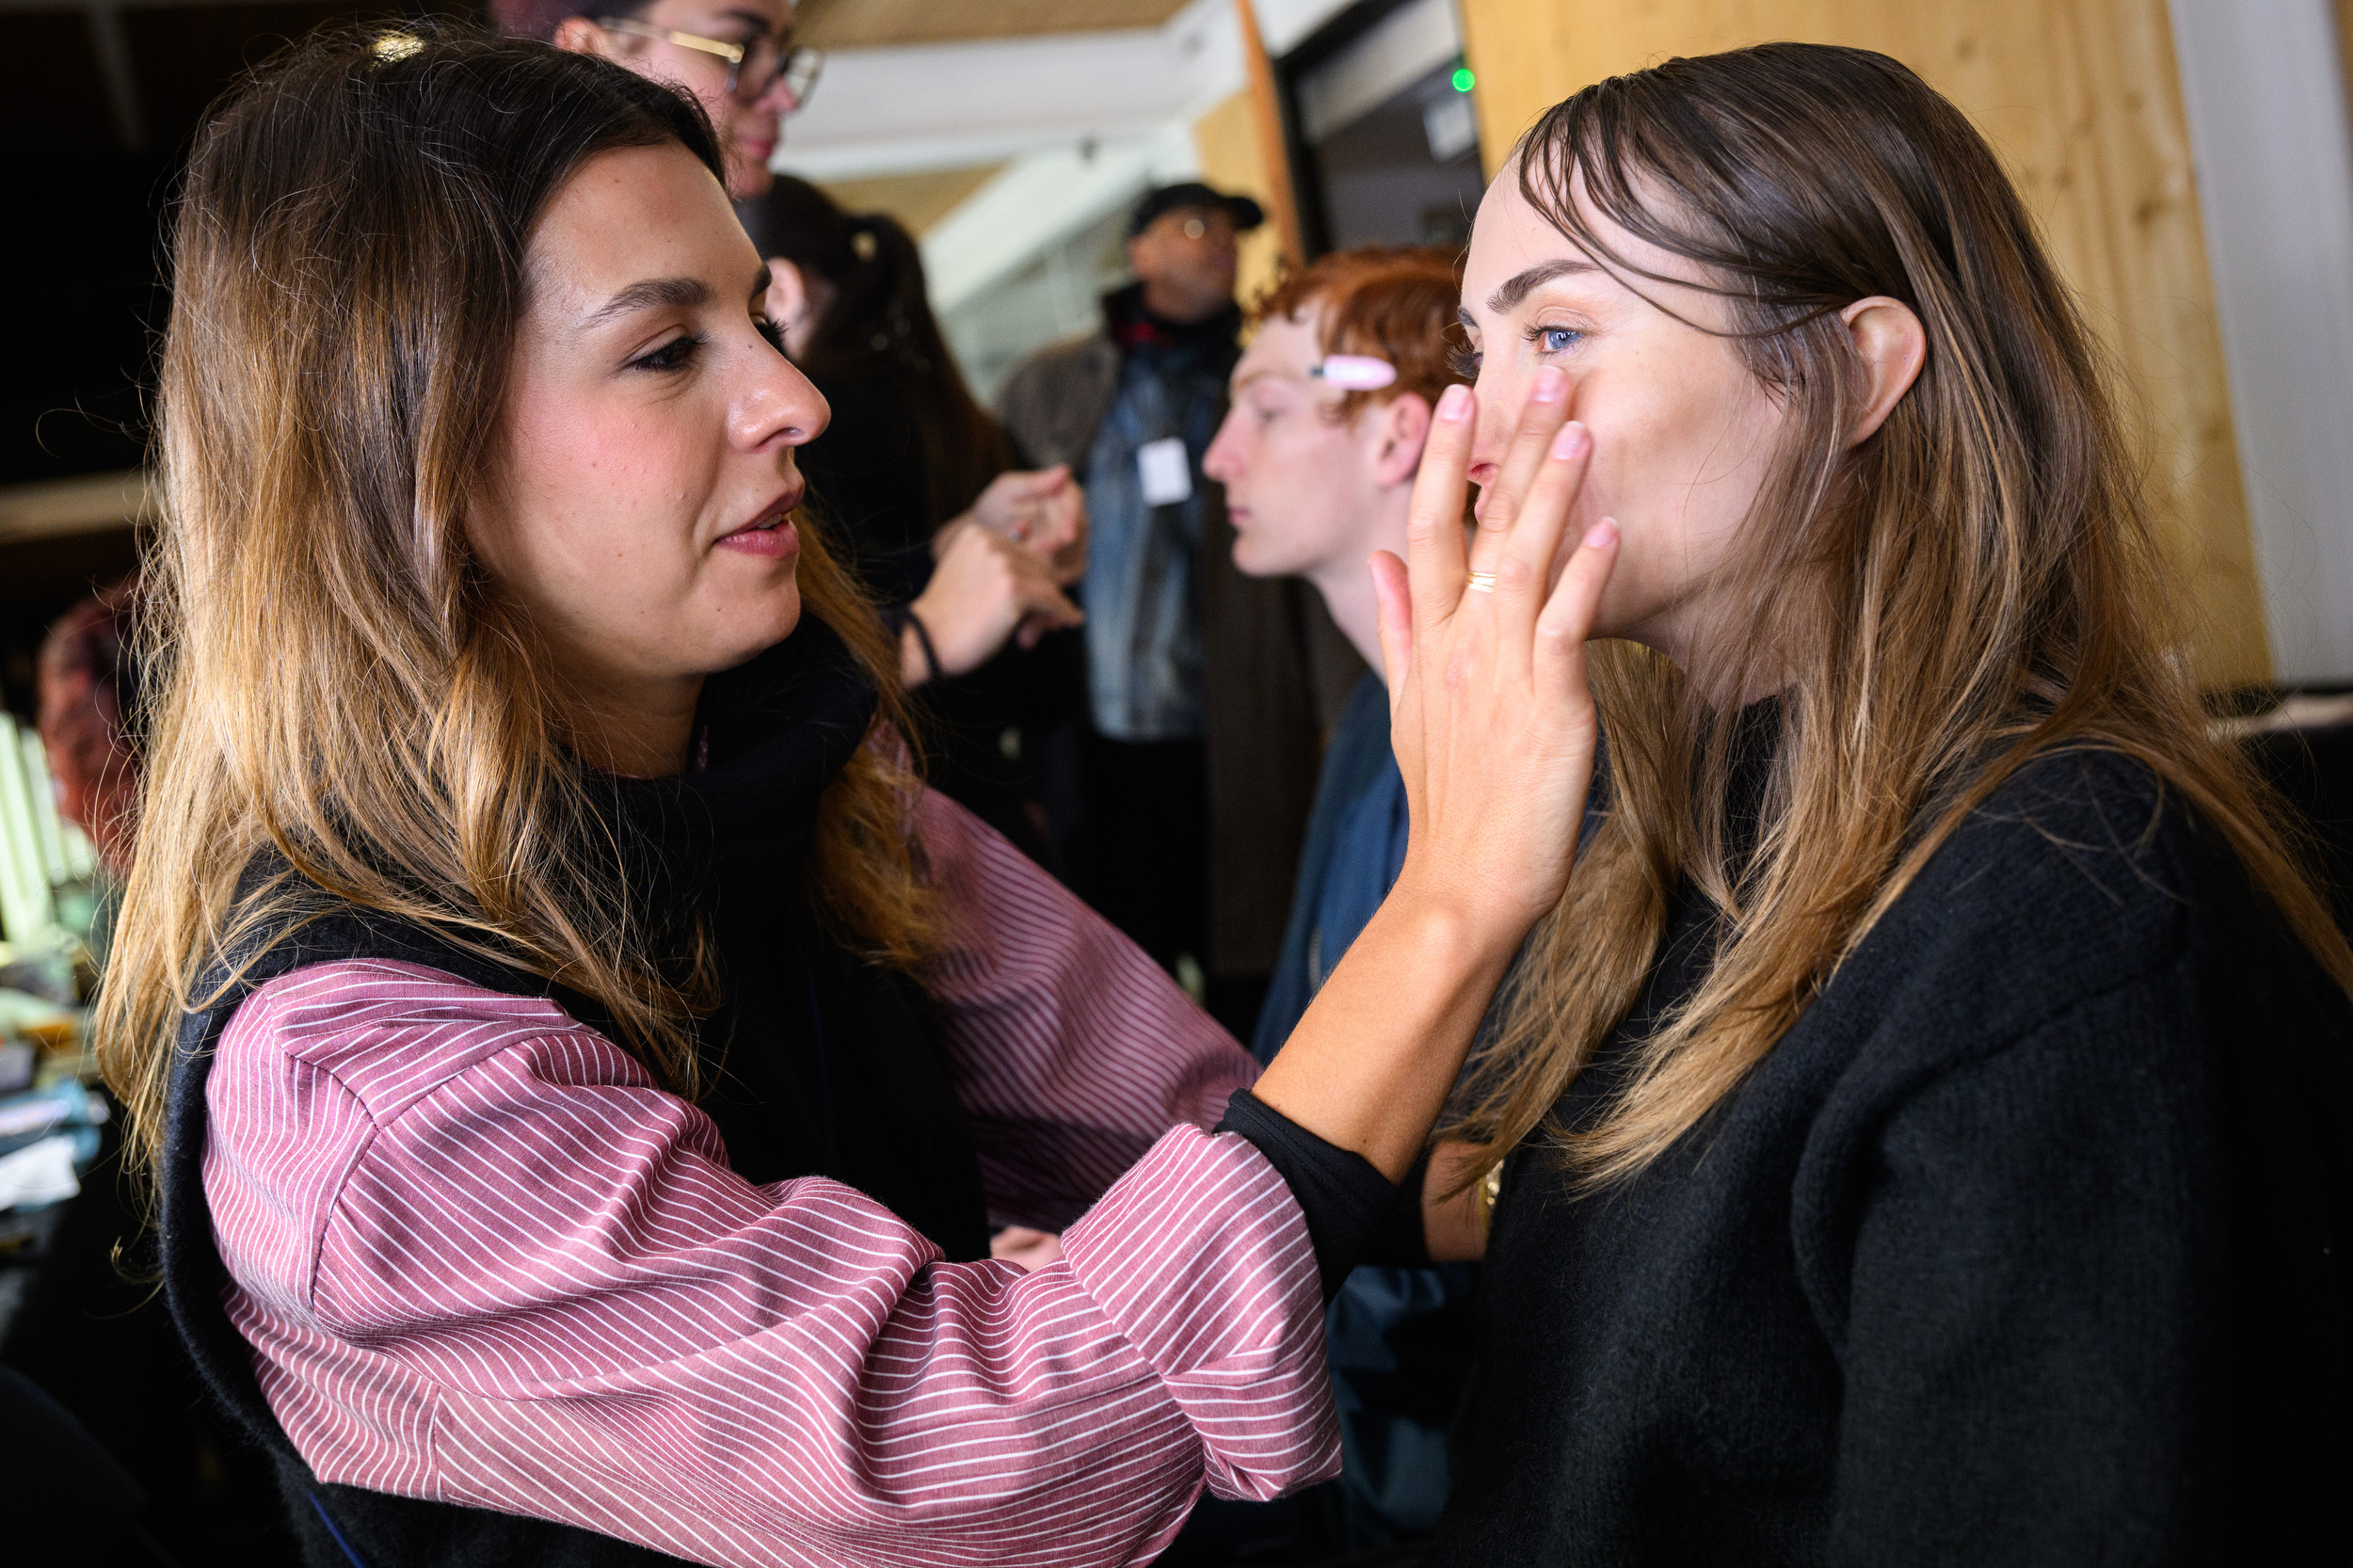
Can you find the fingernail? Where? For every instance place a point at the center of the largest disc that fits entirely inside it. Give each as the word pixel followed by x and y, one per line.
pixel 1552 385
pixel 1454 404
pixel 1571 442
pixel 1602 534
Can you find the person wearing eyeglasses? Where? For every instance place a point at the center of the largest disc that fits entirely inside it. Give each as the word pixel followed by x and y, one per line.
pixel 736 57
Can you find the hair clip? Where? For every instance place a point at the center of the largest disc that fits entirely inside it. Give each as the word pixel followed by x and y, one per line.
pixel 1355 372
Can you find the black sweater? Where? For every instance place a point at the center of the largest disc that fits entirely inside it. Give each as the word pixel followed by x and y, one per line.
pixel 2028 1243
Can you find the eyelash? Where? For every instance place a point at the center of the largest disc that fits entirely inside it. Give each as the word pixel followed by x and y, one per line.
pixel 1466 363
pixel 680 352
pixel 676 355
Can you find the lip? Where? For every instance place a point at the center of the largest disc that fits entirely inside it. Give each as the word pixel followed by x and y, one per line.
pixel 771 535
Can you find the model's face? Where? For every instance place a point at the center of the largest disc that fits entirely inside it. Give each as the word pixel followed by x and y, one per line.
pixel 641 509
pixel 749 126
pixel 1303 487
pixel 1684 436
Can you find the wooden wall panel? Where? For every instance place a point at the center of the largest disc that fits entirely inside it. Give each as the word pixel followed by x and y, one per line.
pixel 2082 101
pixel 1233 159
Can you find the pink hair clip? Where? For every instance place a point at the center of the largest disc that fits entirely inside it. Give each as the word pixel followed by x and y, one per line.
pixel 1355 372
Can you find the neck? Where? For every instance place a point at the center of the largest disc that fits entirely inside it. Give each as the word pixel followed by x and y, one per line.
pixel 1172 306
pixel 642 732
pixel 1346 581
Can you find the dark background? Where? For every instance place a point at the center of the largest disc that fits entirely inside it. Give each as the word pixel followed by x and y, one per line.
pixel 97 107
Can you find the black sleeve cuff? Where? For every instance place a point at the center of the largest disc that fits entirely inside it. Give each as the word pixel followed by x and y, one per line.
pixel 1345 1199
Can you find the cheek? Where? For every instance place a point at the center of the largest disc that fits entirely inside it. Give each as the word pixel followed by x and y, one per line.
pixel 601 507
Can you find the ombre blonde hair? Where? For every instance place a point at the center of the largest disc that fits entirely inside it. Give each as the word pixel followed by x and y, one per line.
pixel 332 679
pixel 1973 587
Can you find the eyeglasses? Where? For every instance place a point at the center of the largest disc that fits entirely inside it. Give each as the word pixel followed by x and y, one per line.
pixel 752 68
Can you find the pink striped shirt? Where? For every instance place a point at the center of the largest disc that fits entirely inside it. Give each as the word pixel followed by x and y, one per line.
pixel 481 1259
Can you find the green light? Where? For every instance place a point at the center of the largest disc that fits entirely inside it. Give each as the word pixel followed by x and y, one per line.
pixel 1463 80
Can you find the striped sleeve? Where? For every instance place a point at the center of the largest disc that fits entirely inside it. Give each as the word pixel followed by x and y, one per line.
pixel 1073 1052
pixel 481 1259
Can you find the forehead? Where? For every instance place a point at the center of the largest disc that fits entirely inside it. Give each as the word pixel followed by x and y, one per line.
pixel 1282 347
pixel 635 213
pixel 1510 238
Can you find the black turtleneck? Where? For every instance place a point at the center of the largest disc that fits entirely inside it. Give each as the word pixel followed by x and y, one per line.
pixel 2028 1243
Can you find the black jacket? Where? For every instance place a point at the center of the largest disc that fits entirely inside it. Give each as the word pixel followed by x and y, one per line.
pixel 2028 1243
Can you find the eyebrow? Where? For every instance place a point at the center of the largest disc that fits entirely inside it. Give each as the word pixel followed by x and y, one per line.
pixel 1513 289
pixel 676 293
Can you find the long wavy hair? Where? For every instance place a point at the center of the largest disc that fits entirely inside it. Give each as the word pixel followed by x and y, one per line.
pixel 1974 587
pixel 332 679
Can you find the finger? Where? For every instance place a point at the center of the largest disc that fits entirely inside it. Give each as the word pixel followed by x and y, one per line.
pixel 1035 484
pixel 1524 571
pixel 1433 524
pixel 1567 621
pixel 1038 596
pixel 1547 407
pixel 1393 597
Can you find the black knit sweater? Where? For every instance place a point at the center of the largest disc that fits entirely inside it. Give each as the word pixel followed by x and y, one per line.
pixel 2028 1243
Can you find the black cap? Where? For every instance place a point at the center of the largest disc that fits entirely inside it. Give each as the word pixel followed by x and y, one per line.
pixel 1247 215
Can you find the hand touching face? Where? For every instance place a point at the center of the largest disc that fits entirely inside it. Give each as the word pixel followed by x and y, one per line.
pixel 1683 436
pixel 641 512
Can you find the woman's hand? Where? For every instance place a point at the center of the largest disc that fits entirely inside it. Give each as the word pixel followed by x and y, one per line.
pixel 1489 713
pixel 1495 733
pixel 1045 511
pixel 985 591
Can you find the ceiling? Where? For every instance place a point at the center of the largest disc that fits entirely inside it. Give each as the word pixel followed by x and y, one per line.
pixel 917 201
pixel 882 23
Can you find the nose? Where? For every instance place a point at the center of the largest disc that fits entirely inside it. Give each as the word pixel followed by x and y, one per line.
pixel 775 405
pixel 777 97
pixel 1222 462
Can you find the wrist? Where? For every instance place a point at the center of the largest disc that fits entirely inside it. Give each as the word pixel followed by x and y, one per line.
pixel 1458 926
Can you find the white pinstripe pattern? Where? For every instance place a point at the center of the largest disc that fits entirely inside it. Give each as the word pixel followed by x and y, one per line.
pixel 481 1259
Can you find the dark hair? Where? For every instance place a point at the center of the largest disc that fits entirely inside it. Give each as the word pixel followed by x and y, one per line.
pixel 337 680
pixel 878 327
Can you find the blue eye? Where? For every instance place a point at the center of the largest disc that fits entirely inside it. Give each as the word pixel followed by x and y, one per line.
pixel 1555 340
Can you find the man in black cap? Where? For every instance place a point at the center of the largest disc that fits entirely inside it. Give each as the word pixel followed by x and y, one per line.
pixel 1194 763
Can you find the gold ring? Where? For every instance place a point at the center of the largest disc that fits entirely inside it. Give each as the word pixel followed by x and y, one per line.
pixel 1482 582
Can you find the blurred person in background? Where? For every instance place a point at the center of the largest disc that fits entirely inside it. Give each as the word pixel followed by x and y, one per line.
pixel 736 57
pixel 88 703
pixel 915 474
pixel 1196 758
pixel 1318 456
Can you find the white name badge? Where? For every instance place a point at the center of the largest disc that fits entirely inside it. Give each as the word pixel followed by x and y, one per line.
pixel 1166 472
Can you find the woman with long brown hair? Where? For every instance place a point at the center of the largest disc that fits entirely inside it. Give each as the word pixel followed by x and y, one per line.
pixel 581 1063
pixel 1919 1132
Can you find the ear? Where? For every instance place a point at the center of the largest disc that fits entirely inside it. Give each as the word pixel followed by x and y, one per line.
pixel 1400 426
pixel 788 291
pixel 580 36
pixel 1892 344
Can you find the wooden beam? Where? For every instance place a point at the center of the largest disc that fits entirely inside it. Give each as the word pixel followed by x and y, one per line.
pixel 1282 204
